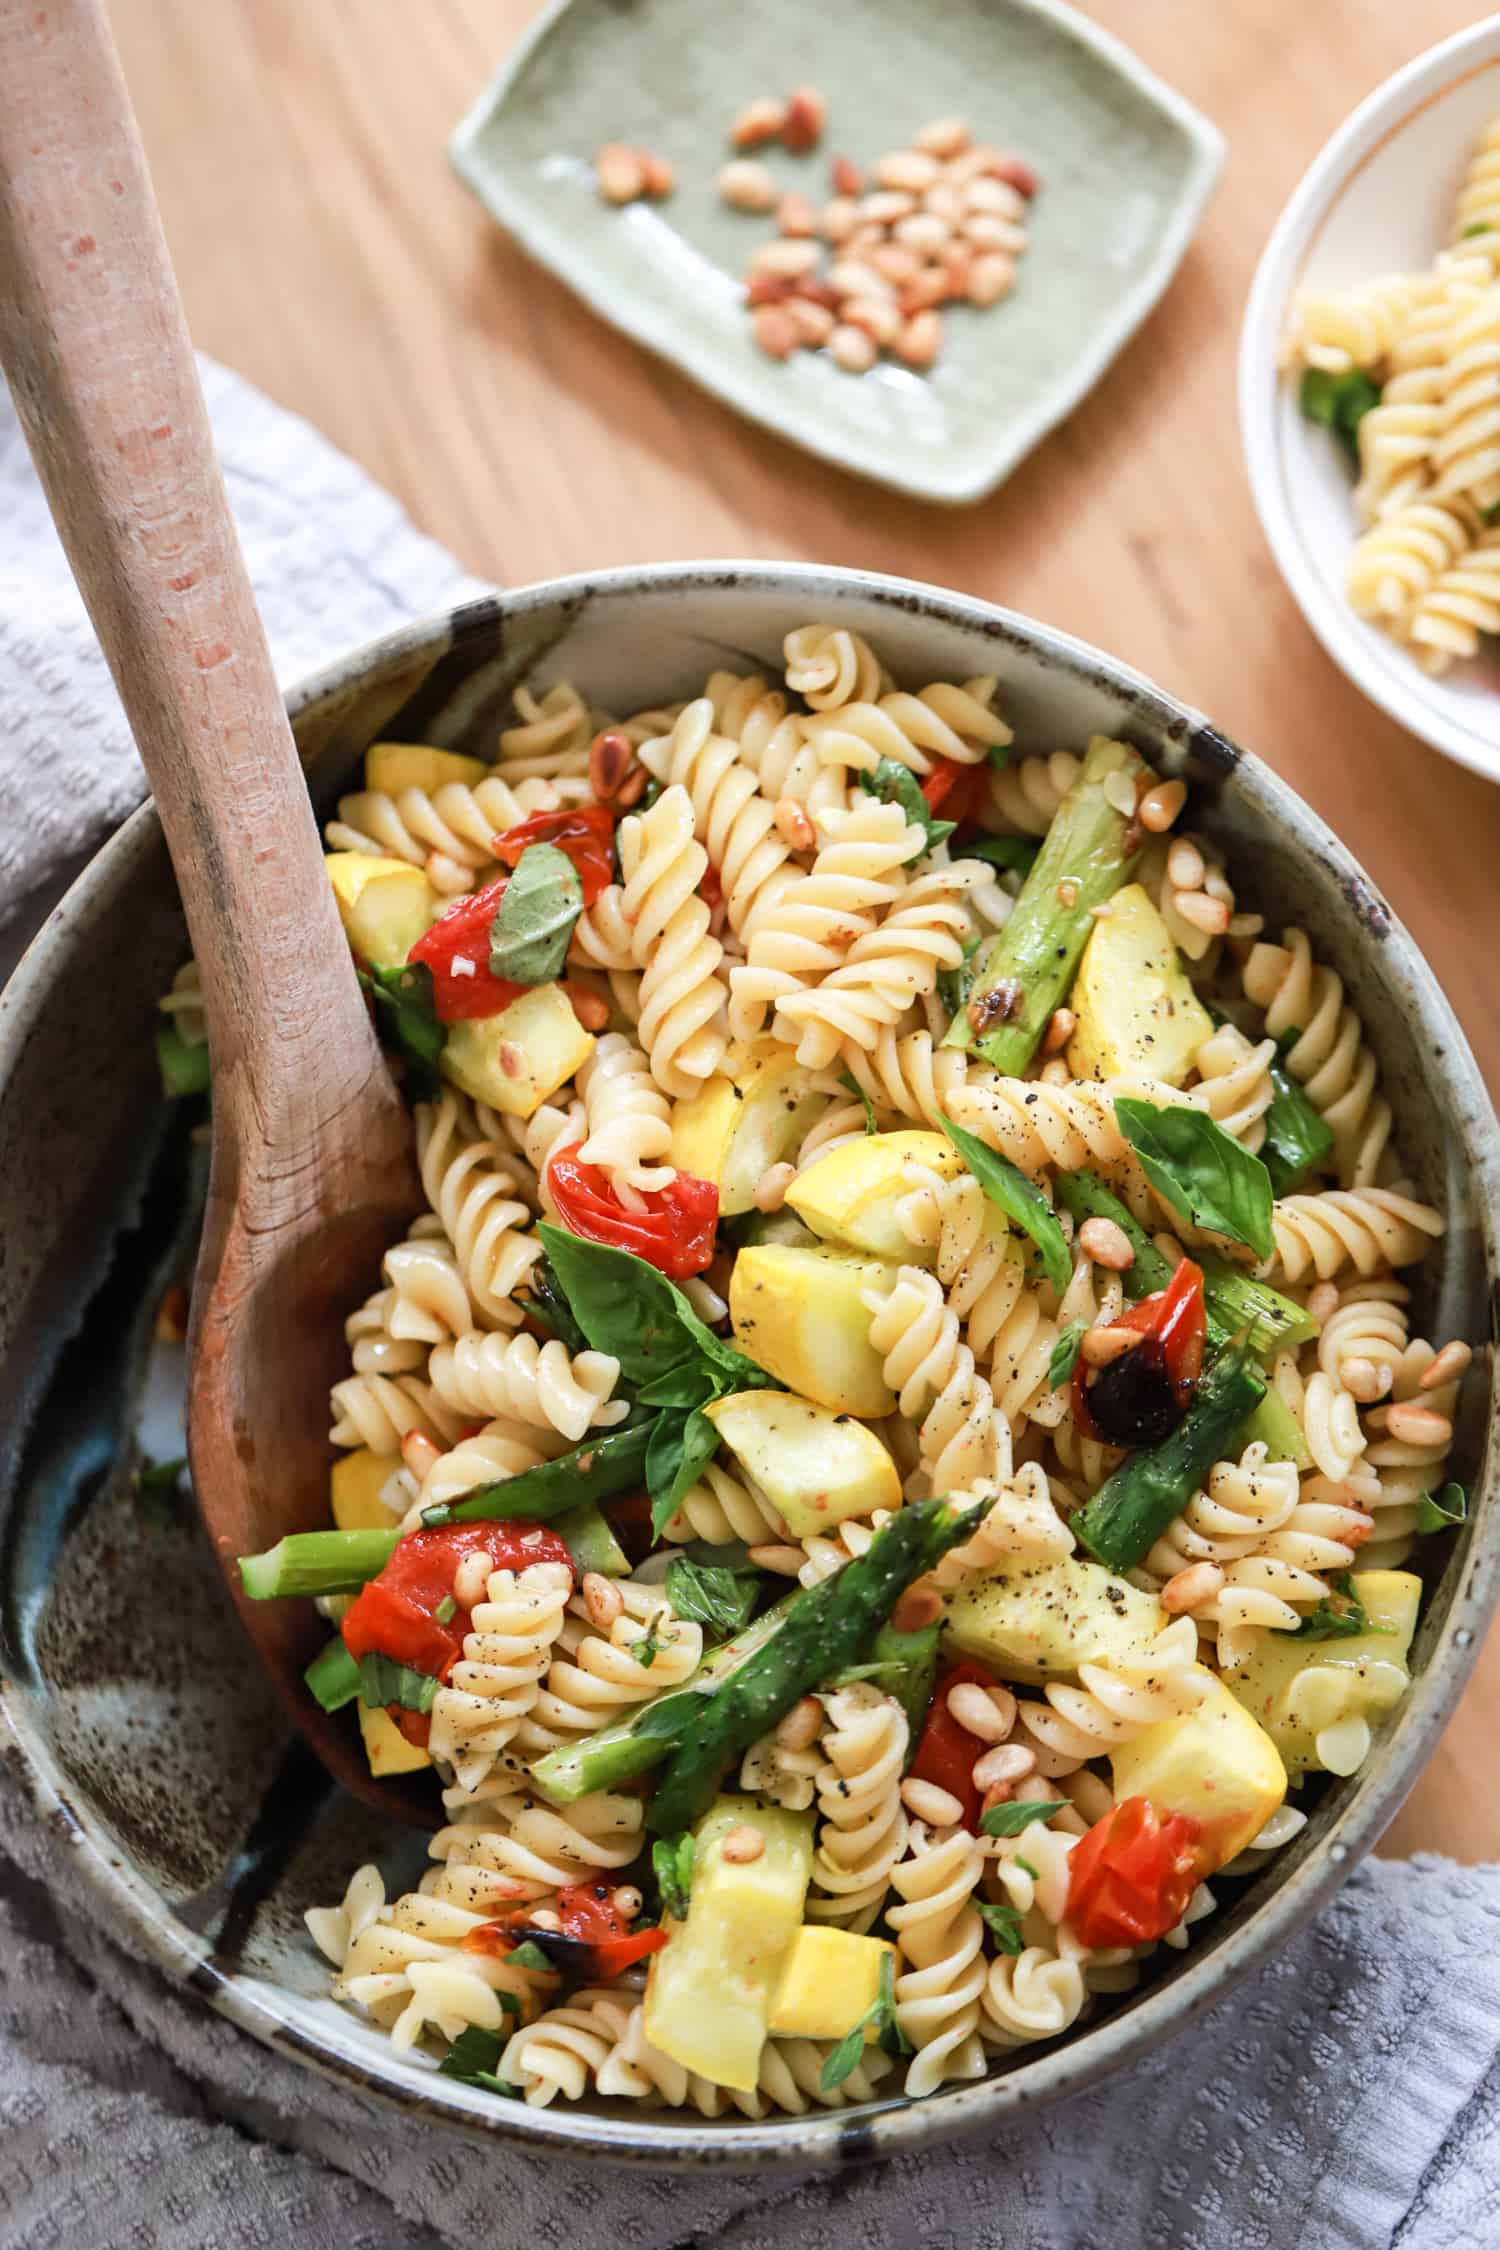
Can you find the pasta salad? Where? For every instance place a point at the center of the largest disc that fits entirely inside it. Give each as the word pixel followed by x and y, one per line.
pixel 893 1453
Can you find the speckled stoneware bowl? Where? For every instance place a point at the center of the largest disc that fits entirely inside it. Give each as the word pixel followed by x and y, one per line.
pixel 150 1741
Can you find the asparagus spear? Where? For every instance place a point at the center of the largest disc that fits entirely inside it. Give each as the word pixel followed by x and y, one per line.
pixel 317 1562
pixel 914 1659
pixel 590 1542
pixel 333 1675
pixel 1090 850
pixel 1132 1508
pixel 593 1470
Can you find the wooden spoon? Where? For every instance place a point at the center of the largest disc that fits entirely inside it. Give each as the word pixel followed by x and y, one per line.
pixel 313 1168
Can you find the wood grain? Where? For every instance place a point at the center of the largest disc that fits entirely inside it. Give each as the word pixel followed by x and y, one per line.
pixel 326 251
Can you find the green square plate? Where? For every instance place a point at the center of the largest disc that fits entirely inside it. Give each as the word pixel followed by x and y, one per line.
pixel 1125 167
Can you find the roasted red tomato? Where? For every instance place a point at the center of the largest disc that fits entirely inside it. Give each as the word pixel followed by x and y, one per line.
pixel 1139 1398
pixel 947 1751
pixel 585 833
pixel 396 1614
pixel 955 791
pixel 675 1232
pixel 1131 1876
pixel 594 1940
pixel 457 950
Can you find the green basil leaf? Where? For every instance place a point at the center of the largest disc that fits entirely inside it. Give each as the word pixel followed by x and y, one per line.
pixel 183 1064
pixel 406 1015
pixel 712 1596
pixel 1475 226
pixel 881 2013
pixel 889 1669
pixel 1064 1354
pixel 852 1085
pixel 534 921
pixel 692 1382
pixel 1338 1620
pixel 955 985
pixel 1440 1511
pixel 383 1681
pixel 1297 1141
pixel 1007 852
pixel 997 755
pixel 680 1446
pixel 1019 1199
pixel 628 1309
pixel 1003 1924
pixel 1339 402
pixel 474 2055
pixel 529 1955
pixel 1015 1818
pixel 672 1865
pixel 1202 1171
pixel 895 784
pixel 545 1299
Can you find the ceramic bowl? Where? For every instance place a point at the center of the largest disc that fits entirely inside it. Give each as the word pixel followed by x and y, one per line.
pixel 1378 199
pixel 1126 166
pixel 156 1749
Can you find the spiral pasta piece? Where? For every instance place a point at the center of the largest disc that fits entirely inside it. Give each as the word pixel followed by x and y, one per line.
pixel 897 962
pixel 182 1005
pixel 1271 1587
pixel 1355 327
pixel 1447 622
pixel 429 1297
pixel 771 741
pixel 1242 1503
pixel 1118 1697
pixel 1024 795
pixel 1235 1082
pixel 909 1075
pixel 827 665
pixel 1368 1325
pixel 629 1120
pixel 1328 1056
pixel 449 831
pixel 683 998
pixel 1466 457
pixel 827 1552
pixel 914 731
pixel 732 820
pixel 495 1681
pixel 940 1938
pixel 719 1507
pixel 1403 1470
pixel 863 1829
pixel 783 1776
pixel 1396 436
pixel 1402 556
pixel 1036 1994
pixel 963 1440
pixel 597 1676
pixel 549 736
pixel 501 1449
pixel 380 1411
pixel 1071 1127
pixel 530 1141
pixel 970 1247
pixel 602 936
pixel 541 1847
pixel 1021 1525
pixel 515 1377
pixel 374 1346
pixel 1366 1228
pixel 561 2054
pixel 474 1196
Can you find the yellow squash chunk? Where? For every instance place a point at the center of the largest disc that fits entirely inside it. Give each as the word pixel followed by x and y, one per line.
pixel 749 1117
pixel 708 2001
pixel 1041 1621
pixel 1318 1700
pixel 386 1746
pixel 1136 1009
pixel 850 1195
pixel 412 765
pixel 354 1484
pixel 814 1466
pixel 800 1315
pixel 384 904
pixel 830 1980
pixel 515 1060
pixel 1215 1764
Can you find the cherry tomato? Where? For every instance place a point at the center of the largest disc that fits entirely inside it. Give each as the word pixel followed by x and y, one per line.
pixel 956 791
pixel 1130 1878
pixel 462 936
pixel 675 1232
pixel 947 1751
pixel 395 1615
pixel 589 1917
pixel 1171 1324
pixel 711 889
pixel 585 833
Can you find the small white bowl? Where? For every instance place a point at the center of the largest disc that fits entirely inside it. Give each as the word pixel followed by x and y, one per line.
pixel 1378 199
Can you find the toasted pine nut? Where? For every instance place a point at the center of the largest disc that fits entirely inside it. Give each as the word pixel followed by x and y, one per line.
pixel 1061 1025
pixel 1067 892
pixel 920 340
pixel 657 175
pixel 909 168
pixel 471 1579
pixel 632 788
pixel 591 1008
pixel 793 825
pixel 1004 1766
pixel 1102 909
pixel 610 758
pixel 803 123
pixel 877 316
pixel 602 1599
pixel 1097 1347
pixel 840 218
pixel 619 173
pixel 813 322
pixel 993 198
pixel 886 206
pixel 853 350
pixel 924 292
pixel 796 216
pixel 990 278
pixel 544 1918
pixel 854 277
pixel 1191 1588
pixel 627 1902
pixel 1107 1244
pixel 800 1727
pixel 958 269
pixel 944 137
pixel 1322 1301
pixel 1418 1425
pixel 1203 912
pixel 786 256
pixel 1016 173
pixel 945 202
pixel 770 1194
pixel 775 331
pixel 418 1452
pixel 1055 1073
pixel 1160 806
pixel 919 1606
pixel 938 1807
pixel 758 122
pixel 1185 865
pixel 512 1059
pixel 1363 1380
pixel 785 1561
pixel 980 1710
pixel 1449 1364
pixel 1119 791
pixel 846 177
pixel 742 1844
pixel 898 265
pixel 747 186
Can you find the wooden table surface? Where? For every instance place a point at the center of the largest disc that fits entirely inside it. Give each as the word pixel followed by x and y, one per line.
pixel 327 252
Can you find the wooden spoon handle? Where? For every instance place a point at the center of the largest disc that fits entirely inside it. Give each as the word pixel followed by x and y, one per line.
pixel 93 338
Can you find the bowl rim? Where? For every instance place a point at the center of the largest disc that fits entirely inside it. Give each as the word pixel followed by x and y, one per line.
pixel 821 2139
pixel 1395 688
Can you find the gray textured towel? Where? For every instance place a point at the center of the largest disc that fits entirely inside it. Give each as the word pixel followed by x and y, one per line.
pixel 1344 2099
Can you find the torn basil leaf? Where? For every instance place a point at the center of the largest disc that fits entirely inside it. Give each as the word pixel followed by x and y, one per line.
pixel 382 1682
pixel 1019 1198
pixel 895 784
pixel 407 1018
pixel 708 1595
pixel 1202 1171
pixel 1064 1355
pixel 1015 1818
pixel 1440 1511
pixel 534 921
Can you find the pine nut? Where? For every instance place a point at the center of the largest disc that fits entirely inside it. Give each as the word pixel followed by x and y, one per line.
pixel 793 825
pixel 840 218
pixel 1191 1588
pixel 1055 1073
pixel 851 277
pixel 925 291
pixel 1004 1766
pixel 864 239
pixel 770 288
pixel 945 202
pixel 785 256
pixel 627 1902
pixel 770 1193
pixel 991 278
pixel 978 1711
pixel 853 350
pixel 796 216
pixel 920 340
pixel 1061 1025
pixel 1418 1425
pixel 747 186
pixel 657 175
pixel 813 323
pixel 992 197
pixel 418 1452
pixel 591 1008
pixel 988 232
pixel 908 168
pixel 471 1579
pixel 1097 1347
pixel 742 1844
pixel 1106 1244
pixel 1102 909
pixel 803 124
pixel 619 174
pixel 610 757
pixel 800 1728
pixel 886 206
pixel 1160 806
pixel 939 1808
pixel 758 122
pixel 1185 865
pixel 785 1561
pixel 544 1918
pixel 877 316
pixel 1450 1363
pixel 1322 1301
pixel 1363 1380
pixel 602 1599
pixel 958 269
pixel 775 331
pixel 632 788
pixel 897 265
pixel 846 177
pixel 1202 912
pixel 1016 173
pixel 944 137
pixel 1067 892
pixel 918 1607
